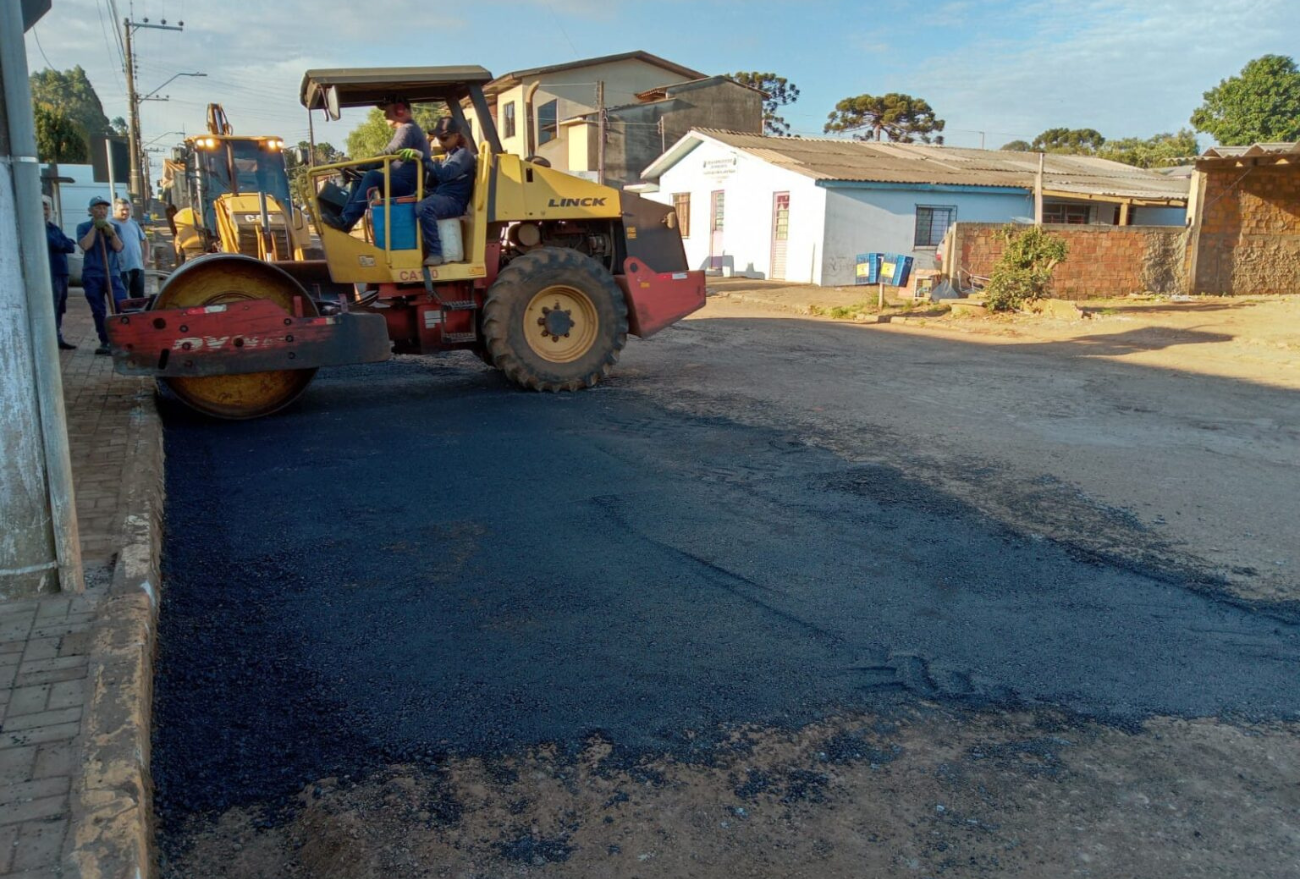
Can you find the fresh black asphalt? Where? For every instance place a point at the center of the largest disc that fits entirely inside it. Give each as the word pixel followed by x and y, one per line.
pixel 418 559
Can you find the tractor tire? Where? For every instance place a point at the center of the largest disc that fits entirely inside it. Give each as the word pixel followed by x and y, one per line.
pixel 554 320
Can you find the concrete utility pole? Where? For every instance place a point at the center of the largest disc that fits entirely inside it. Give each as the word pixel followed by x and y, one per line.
pixel 600 128
pixel 40 549
pixel 129 27
pixel 1038 191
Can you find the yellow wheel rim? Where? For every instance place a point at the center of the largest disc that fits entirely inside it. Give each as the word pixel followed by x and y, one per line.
pixel 561 324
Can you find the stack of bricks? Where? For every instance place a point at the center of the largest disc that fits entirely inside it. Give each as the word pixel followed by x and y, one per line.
pixel 1103 261
pixel 1249 239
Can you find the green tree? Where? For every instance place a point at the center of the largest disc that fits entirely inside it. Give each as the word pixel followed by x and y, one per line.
pixel 1073 141
pixel 1262 105
pixel 1024 271
pixel 903 118
pixel 370 137
pixel 1160 151
pixel 777 92
pixel 119 127
pixel 70 91
pixel 1017 146
pixel 58 139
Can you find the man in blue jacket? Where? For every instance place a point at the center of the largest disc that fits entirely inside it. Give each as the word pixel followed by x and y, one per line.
pixel 101 276
pixel 452 184
pixel 60 246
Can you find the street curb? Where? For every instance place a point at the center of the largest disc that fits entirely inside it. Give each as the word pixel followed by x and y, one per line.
pixel 111 833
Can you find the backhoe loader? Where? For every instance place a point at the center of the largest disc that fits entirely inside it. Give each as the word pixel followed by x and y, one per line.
pixel 231 195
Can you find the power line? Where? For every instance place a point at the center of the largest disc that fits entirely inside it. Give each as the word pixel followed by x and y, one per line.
pixel 42 48
pixel 561 27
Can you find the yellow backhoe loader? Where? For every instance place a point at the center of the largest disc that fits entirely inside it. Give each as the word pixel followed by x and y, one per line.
pixel 231 195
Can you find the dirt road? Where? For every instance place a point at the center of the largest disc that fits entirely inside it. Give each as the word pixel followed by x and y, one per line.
pixel 976 598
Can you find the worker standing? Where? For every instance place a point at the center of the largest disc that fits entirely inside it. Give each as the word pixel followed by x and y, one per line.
pixel 134 257
pixel 60 246
pixel 100 274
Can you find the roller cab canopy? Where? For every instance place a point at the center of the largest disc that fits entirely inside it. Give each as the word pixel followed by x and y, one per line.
pixel 333 89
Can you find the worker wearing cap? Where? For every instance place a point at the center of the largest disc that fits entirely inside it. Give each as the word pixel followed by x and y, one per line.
pixel 403 175
pixel 101 276
pixel 452 184
pixel 60 246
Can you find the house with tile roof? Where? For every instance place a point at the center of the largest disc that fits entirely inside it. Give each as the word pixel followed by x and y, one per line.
pixel 805 209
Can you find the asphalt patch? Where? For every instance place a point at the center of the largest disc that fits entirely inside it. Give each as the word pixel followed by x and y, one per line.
pixel 419 561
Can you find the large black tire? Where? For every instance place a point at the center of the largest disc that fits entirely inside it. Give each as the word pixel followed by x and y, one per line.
pixel 554 320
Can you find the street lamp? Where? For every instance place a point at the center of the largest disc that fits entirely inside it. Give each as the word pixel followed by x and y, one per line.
pixel 150 96
pixel 161 136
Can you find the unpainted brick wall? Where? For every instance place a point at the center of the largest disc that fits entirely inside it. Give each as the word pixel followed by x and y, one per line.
pixel 1103 261
pixel 1250 231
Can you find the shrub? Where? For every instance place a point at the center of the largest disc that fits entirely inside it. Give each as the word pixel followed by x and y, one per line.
pixel 1024 271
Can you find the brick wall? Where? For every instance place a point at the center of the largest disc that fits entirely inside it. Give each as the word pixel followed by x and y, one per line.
pixel 1103 260
pixel 1249 239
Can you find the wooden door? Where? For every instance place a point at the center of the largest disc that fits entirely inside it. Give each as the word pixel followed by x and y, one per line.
pixel 780 233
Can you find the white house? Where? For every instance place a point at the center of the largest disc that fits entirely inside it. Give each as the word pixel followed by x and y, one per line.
pixel 804 209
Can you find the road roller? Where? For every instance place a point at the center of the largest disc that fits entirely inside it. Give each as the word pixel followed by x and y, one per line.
pixel 556 271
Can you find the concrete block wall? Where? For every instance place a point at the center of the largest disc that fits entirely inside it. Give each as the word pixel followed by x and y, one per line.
pixel 1249 237
pixel 1103 261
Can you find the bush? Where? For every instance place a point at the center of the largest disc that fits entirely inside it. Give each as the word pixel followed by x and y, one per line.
pixel 1024 271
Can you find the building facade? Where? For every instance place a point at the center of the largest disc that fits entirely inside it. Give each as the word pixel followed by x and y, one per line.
pixel 803 210
pixel 532 106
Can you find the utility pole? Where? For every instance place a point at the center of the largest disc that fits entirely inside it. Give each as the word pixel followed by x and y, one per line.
pixel 40 549
pixel 129 27
pixel 1038 191
pixel 600 144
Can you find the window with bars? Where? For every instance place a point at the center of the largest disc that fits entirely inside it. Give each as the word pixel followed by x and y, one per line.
pixel 548 122
pixel 682 207
pixel 1070 214
pixel 508 120
pixel 932 221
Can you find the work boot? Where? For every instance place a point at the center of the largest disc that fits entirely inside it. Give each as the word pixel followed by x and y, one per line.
pixel 433 259
pixel 104 351
pixel 334 221
pixel 66 346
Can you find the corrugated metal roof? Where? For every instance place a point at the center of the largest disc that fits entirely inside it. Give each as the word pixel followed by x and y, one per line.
pixel 871 162
pixel 1255 149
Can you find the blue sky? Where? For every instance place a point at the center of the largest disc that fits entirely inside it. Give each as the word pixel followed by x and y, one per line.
pixel 996 70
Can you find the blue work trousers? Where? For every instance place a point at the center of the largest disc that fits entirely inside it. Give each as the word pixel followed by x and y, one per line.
pixel 60 285
pixel 96 287
pixel 400 182
pixel 430 211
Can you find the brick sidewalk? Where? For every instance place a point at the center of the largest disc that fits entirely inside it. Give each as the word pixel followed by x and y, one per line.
pixel 46 643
